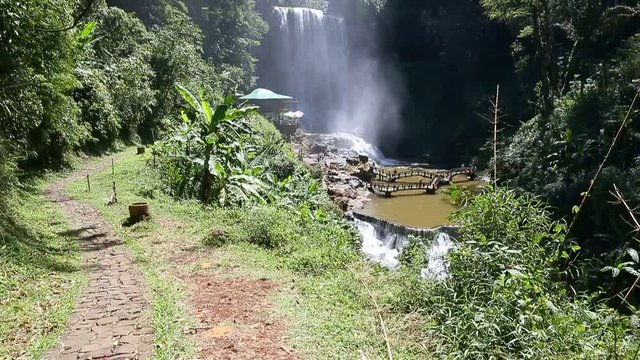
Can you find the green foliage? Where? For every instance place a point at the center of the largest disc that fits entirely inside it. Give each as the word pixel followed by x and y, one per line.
pixel 36 79
pixel 557 159
pixel 229 155
pixel 216 143
pixel 311 245
pixel 282 166
pixel 501 299
pixel 232 28
pixel 109 79
pixel 8 176
pixel 555 40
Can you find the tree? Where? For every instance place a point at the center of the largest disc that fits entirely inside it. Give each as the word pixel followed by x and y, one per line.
pixel 232 29
pixel 554 36
pixel 36 80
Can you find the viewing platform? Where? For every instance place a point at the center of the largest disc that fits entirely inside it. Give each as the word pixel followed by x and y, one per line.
pixel 387 182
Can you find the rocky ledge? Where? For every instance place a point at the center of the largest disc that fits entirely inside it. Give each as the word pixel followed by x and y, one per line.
pixel 345 172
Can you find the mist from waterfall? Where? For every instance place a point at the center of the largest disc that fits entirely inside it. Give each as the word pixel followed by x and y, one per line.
pixel 307 55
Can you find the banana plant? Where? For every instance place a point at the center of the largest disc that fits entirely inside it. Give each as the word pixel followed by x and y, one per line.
pixel 220 135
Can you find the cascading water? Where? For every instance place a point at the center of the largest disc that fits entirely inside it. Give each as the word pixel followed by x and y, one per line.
pixel 305 55
pixel 383 243
pixel 383 249
pixel 349 143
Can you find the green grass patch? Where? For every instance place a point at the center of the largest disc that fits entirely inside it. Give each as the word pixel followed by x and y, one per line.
pixel 40 276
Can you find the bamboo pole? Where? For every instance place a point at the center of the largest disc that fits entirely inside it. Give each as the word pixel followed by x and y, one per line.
pixel 602 164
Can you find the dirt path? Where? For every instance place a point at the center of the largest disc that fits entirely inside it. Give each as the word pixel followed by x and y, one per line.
pixel 112 315
pixel 233 315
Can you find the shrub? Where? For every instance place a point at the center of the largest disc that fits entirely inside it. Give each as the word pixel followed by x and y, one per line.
pixel 501 299
pixel 8 179
pixel 282 166
pixel 264 226
pixel 307 245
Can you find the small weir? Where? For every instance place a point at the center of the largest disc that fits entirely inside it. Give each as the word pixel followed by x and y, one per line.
pixel 383 241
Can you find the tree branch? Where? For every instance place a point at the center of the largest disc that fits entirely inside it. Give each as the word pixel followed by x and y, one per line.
pixel 602 164
pixel 76 19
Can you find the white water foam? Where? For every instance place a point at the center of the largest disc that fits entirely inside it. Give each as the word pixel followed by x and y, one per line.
pixel 385 249
pixel 437 267
pixel 375 248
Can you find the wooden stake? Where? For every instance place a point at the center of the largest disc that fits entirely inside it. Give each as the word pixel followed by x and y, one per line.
pixel 114 195
pixel 88 183
pixel 113 169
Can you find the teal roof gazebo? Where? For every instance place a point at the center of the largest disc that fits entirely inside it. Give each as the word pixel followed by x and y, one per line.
pixel 272 103
pixel 261 94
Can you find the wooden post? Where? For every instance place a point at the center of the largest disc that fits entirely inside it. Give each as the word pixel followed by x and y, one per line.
pixel 88 183
pixel 113 169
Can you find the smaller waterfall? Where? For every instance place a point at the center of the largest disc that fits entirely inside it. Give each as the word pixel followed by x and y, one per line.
pixel 437 268
pixel 346 142
pixel 383 245
pixel 361 146
pixel 382 249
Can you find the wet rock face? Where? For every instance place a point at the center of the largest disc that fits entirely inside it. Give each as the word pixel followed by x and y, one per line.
pixel 353 161
pixel 363 174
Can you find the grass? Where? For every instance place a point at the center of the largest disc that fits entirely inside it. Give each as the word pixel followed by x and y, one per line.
pixel 40 277
pixel 329 312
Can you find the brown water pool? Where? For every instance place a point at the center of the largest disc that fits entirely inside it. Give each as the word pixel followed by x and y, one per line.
pixel 415 208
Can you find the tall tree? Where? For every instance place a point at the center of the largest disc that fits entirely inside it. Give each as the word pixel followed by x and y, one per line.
pixel 232 29
pixel 554 36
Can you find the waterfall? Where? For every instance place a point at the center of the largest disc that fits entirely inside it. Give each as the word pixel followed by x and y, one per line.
pixel 347 143
pixel 305 56
pixel 383 241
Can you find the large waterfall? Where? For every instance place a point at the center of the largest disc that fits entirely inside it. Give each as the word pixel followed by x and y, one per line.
pixel 305 55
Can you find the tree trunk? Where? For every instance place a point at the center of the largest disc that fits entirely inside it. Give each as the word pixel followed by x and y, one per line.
pixel 542 33
pixel 206 175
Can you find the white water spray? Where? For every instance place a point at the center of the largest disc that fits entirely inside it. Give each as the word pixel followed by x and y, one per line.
pixel 307 55
pixel 384 248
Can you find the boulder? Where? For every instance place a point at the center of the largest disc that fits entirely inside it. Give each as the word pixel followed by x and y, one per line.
pixel 318 149
pixel 353 161
pixel 335 192
pixel 343 204
pixel 364 158
pixel 355 183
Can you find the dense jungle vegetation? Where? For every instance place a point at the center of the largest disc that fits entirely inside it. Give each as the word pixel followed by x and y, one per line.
pixel 535 274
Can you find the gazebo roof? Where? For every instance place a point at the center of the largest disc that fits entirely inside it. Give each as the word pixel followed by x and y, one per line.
pixel 264 94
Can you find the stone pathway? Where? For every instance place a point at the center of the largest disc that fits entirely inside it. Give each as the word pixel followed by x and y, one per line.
pixel 112 315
